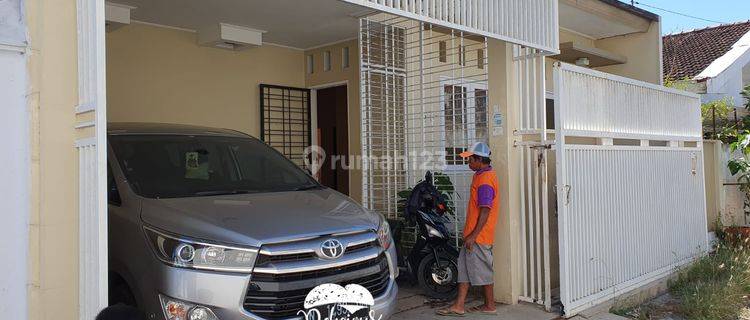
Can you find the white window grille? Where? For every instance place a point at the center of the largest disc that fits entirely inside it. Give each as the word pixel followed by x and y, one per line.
pixel 420 103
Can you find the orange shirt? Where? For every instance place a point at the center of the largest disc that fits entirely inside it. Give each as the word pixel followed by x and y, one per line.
pixel 486 177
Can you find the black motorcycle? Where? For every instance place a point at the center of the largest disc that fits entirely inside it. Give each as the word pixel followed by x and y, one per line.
pixel 432 259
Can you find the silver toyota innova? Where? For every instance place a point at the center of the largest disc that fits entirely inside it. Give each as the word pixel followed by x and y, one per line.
pixel 212 224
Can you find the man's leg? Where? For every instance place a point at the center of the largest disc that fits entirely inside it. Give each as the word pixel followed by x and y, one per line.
pixel 460 304
pixel 489 298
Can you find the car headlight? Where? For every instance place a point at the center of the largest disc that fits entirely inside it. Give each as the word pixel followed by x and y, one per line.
pixel 181 310
pixel 384 233
pixel 186 253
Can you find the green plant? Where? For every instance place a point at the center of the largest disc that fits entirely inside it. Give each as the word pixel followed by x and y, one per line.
pixel 715 286
pixel 716 122
pixel 745 93
pixel 717 109
pixel 442 183
pixel 740 167
pixel 683 84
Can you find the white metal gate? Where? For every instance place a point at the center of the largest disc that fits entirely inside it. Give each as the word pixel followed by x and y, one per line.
pixel 534 144
pixel 630 183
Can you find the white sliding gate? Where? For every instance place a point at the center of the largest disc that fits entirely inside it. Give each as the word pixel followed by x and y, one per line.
pixel 630 183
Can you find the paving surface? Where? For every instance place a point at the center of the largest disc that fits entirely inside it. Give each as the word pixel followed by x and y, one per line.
pixel 414 306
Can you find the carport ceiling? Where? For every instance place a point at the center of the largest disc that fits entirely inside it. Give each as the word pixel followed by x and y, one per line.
pixel 295 23
pixel 599 19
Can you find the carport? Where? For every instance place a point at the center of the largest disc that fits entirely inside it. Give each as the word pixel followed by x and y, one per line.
pixel 297 74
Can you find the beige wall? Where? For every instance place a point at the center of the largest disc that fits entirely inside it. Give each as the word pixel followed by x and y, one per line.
pixel 643 51
pixel 157 74
pixel 53 226
pixel 713 175
pixel 337 75
pixel 567 36
pixel 506 161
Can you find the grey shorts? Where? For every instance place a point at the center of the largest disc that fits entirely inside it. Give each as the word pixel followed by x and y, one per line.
pixel 475 266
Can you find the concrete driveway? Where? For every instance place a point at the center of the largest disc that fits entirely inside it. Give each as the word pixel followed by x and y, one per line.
pixel 414 306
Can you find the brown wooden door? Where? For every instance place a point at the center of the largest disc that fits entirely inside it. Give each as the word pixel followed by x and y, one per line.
pixel 333 131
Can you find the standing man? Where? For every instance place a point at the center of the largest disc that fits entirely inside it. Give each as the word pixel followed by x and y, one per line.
pixel 475 258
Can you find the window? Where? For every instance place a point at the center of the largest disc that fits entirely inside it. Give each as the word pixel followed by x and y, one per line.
pixel 345 57
pixel 455 123
pixel 443 51
pixel 465 120
pixel 327 61
pixel 480 58
pixel 310 63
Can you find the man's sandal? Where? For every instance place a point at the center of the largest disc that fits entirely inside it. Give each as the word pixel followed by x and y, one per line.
pixel 448 312
pixel 479 310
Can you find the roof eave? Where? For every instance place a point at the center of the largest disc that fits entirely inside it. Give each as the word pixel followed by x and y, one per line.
pixel 634 10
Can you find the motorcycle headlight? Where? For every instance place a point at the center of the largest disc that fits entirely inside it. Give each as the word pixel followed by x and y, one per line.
pixel 186 253
pixel 434 232
pixel 384 233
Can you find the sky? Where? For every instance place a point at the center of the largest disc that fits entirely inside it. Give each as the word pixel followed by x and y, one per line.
pixel 717 10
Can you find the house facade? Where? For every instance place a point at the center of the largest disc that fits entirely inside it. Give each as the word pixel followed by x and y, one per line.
pixel 406 81
pixel 717 59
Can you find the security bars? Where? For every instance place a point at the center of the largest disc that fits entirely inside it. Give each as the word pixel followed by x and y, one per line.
pixel 534 146
pixel 285 120
pixel 424 100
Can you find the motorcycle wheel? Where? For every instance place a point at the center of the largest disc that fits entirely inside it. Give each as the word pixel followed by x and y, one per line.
pixel 438 281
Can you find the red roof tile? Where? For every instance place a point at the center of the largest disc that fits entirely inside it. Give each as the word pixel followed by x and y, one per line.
pixel 689 53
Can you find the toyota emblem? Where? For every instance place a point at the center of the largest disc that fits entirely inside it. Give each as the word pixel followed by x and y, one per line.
pixel 331 249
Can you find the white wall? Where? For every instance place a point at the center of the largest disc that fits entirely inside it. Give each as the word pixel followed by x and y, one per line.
pixel 729 82
pixel 15 159
pixel 15 187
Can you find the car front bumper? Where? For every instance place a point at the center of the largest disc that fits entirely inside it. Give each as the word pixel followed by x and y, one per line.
pixel 224 293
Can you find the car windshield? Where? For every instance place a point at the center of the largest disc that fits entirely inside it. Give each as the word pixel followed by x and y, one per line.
pixel 175 166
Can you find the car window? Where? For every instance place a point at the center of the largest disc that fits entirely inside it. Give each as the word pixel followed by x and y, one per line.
pixel 166 166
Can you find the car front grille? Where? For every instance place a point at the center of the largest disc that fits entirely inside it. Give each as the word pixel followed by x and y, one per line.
pixel 277 291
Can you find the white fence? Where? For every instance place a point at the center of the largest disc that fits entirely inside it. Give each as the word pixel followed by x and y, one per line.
pixel 602 104
pixel 531 23
pixel 630 186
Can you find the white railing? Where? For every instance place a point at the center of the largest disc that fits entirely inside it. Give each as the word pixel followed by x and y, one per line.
pixel 92 159
pixel 532 23
pixel 529 67
pixel 600 103
pixel 631 202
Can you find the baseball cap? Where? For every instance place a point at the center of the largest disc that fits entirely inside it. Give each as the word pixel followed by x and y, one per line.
pixel 477 149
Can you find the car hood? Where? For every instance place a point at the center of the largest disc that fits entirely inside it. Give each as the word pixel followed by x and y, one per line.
pixel 255 219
